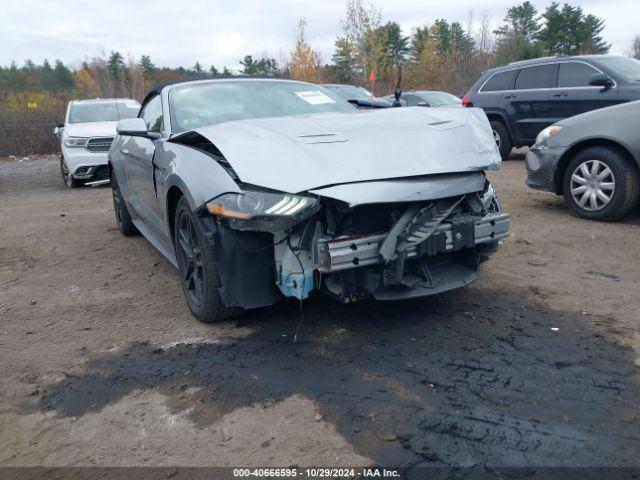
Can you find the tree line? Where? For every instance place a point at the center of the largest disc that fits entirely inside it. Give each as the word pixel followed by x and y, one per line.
pixel 441 54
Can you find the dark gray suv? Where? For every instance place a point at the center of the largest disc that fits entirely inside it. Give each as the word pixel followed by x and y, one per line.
pixel 523 98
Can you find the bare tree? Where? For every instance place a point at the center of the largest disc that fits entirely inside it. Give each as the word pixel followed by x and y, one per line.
pixel 358 26
pixel 635 47
pixel 485 43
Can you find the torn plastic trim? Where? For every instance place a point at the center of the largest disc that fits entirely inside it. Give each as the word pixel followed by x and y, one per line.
pixel 248 252
pixel 415 226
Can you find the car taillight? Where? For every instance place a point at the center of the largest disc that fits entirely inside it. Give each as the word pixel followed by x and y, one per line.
pixel 466 102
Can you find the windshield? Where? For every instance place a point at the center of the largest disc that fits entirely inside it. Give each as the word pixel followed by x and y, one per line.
pixel 199 104
pixel 627 68
pixel 350 92
pixel 102 111
pixel 439 99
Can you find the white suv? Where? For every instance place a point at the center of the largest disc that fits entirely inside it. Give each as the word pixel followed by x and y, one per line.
pixel 86 136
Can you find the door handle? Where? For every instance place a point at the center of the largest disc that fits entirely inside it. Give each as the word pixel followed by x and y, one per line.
pixel 510 96
pixel 561 94
pixel 124 150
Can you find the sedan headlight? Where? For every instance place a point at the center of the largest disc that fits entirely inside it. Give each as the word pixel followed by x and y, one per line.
pixel 75 142
pixel 254 209
pixel 547 133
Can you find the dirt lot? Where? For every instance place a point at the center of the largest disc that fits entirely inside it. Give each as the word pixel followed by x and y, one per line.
pixel 535 364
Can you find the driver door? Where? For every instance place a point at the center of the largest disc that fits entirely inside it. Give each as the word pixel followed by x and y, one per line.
pixel 139 167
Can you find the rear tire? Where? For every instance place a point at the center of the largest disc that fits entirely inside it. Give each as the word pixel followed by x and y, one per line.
pixel 502 138
pixel 601 183
pixel 198 268
pixel 123 219
pixel 68 180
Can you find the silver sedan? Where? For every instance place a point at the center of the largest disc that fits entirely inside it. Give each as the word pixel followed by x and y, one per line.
pixel 262 189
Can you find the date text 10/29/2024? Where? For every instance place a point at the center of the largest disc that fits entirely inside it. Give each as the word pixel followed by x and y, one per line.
pixel 293 472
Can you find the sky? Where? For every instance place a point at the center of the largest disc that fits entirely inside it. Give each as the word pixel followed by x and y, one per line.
pixel 220 33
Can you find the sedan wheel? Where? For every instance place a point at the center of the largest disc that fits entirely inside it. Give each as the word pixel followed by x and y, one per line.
pixel 123 219
pixel 601 183
pixel 198 268
pixel 496 138
pixel 592 185
pixel 190 259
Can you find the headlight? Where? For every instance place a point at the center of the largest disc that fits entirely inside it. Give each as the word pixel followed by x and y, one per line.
pixel 547 133
pixel 254 209
pixel 75 142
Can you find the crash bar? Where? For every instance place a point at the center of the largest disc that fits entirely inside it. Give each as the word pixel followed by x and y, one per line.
pixel 343 253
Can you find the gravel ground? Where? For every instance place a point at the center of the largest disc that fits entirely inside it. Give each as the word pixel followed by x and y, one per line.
pixel 535 364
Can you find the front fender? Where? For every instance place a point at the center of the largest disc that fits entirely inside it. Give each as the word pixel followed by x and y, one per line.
pixel 115 163
pixel 197 174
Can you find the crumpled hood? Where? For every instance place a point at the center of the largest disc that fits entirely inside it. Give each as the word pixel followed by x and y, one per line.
pixel 299 153
pixel 91 129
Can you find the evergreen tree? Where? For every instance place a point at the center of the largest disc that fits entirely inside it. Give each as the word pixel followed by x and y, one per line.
pixel 459 39
pixel 568 31
pixel 115 65
pixel 250 66
pixel 442 34
pixel 418 42
pixel 517 38
pixel 396 45
pixel 62 77
pixel 343 59
pixel 521 20
pixel 29 66
pixel 46 74
pixel 147 67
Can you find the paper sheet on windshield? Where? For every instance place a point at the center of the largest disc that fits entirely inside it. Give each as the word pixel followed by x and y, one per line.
pixel 314 97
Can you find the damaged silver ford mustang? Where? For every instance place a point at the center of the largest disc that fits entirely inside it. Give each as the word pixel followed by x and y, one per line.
pixel 259 189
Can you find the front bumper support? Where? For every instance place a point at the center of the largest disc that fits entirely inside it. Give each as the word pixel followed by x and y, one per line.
pixel 333 255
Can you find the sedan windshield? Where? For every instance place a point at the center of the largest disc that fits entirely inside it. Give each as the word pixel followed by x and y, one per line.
pixel 198 104
pixel 350 92
pixel 627 68
pixel 102 111
pixel 439 99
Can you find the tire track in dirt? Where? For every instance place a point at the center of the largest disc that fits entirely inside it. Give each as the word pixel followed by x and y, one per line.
pixel 436 386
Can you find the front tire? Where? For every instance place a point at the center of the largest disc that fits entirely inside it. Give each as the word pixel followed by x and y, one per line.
pixel 601 183
pixel 68 180
pixel 123 219
pixel 502 138
pixel 198 268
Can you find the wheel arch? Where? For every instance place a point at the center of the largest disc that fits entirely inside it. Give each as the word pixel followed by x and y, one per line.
pixel 174 194
pixel 501 117
pixel 579 147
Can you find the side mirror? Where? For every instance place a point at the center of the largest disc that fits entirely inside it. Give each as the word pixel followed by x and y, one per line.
pixel 370 103
pixel 133 127
pixel 601 80
pixel 58 131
